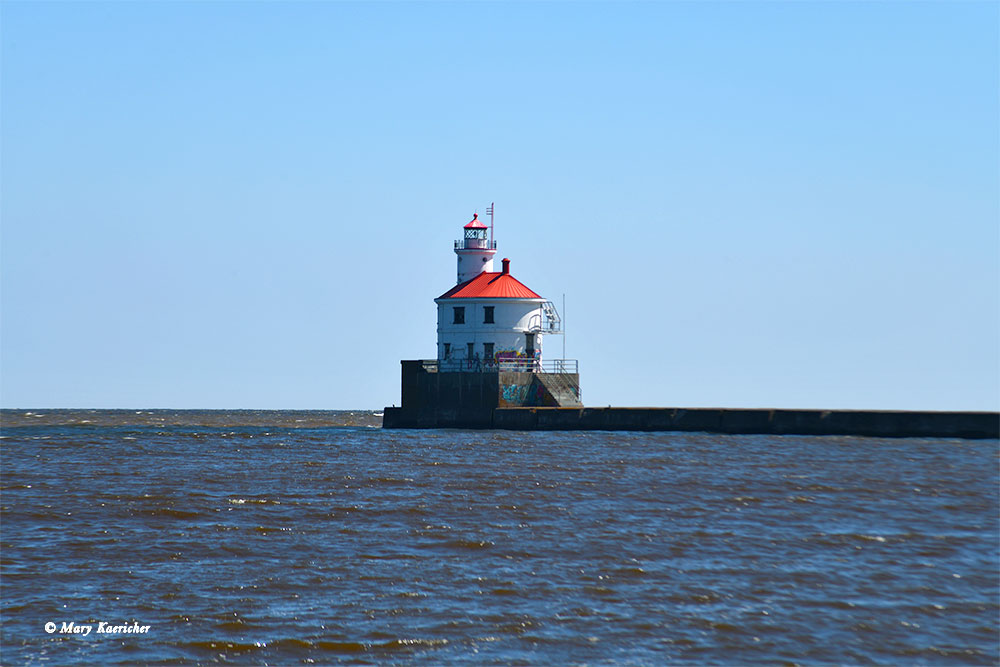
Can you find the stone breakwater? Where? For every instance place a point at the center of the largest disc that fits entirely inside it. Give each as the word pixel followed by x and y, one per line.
pixel 901 424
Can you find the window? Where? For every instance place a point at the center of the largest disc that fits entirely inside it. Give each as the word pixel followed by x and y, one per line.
pixel 459 315
pixel 447 350
pixel 488 352
pixel 488 314
pixel 471 350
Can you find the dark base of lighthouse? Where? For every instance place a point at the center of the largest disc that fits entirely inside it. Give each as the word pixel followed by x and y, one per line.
pixel 454 399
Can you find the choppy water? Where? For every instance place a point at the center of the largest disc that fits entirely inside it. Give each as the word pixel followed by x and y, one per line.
pixel 289 537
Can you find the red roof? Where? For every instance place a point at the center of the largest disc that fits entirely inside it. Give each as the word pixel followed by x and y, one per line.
pixel 490 286
pixel 475 224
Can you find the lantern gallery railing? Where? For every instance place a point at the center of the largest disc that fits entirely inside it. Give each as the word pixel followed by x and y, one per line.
pixel 502 365
pixel 475 244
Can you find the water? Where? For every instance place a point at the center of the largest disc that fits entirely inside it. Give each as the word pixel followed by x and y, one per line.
pixel 297 537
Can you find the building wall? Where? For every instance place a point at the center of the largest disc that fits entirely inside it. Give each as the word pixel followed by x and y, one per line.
pixel 512 319
pixel 424 388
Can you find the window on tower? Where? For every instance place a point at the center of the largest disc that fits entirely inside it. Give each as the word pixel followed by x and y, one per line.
pixel 459 315
pixel 488 352
pixel 488 314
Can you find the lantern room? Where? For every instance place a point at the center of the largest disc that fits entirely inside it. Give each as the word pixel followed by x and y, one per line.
pixel 475 233
pixel 475 251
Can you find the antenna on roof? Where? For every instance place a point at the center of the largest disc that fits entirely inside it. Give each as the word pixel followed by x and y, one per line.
pixel 489 212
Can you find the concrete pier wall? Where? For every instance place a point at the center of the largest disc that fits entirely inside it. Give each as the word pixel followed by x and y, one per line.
pixel 425 388
pixel 521 401
pixel 891 424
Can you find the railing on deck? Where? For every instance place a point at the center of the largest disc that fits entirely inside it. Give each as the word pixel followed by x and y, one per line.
pixel 503 365
pixel 475 244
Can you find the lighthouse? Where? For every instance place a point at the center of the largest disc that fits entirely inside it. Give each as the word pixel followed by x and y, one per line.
pixel 490 328
pixel 490 320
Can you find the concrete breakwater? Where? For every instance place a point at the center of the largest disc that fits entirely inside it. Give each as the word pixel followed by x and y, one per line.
pixel 892 424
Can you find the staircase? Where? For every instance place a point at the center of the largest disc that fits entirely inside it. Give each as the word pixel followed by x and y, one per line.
pixel 551 322
pixel 563 387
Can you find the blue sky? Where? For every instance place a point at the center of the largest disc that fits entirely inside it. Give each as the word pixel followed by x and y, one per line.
pixel 251 205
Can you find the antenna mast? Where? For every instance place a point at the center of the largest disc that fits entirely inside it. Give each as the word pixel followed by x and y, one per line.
pixel 489 211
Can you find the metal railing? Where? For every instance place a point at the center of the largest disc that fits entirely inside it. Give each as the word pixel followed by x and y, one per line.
pixel 503 365
pixel 475 244
pixel 547 320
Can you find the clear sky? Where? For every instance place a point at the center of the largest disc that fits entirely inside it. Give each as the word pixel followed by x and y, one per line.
pixel 252 205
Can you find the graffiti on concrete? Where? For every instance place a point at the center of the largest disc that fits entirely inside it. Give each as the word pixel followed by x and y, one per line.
pixel 511 355
pixel 514 394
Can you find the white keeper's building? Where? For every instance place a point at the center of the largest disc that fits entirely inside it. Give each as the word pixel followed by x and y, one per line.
pixel 490 320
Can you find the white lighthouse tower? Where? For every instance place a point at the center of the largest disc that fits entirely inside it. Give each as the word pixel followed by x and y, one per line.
pixel 475 252
pixel 490 320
